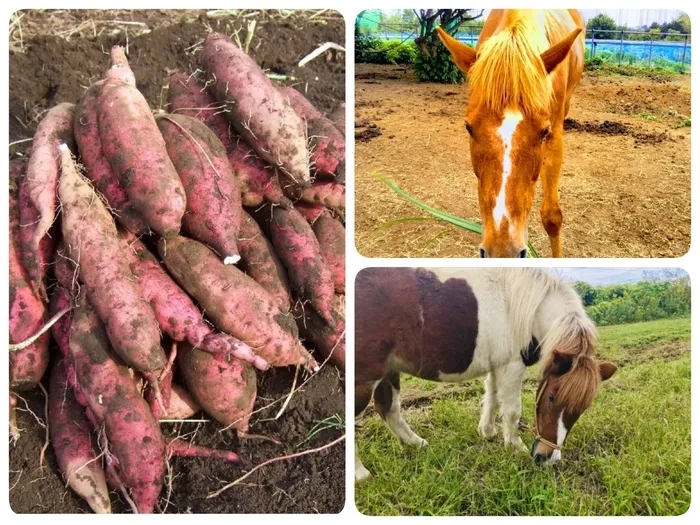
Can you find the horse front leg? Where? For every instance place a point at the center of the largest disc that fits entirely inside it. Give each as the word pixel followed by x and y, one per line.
pixel 489 403
pixel 387 402
pixel 509 383
pixel 550 173
pixel 363 395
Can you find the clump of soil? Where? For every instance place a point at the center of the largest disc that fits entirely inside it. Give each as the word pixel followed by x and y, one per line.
pixel 370 132
pixel 48 69
pixel 608 127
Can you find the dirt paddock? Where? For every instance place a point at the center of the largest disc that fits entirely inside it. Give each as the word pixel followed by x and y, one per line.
pixel 625 187
pixel 53 59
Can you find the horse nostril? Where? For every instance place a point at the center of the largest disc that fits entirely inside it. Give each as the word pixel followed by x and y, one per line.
pixel 483 254
pixel 539 459
pixel 522 254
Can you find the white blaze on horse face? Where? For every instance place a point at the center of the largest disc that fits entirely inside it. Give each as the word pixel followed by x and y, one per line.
pixel 561 436
pixel 511 119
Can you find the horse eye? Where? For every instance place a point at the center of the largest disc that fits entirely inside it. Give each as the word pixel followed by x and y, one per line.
pixel 469 129
pixel 551 399
pixel 545 132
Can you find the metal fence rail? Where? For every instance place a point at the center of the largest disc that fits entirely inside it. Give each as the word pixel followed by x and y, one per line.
pixel 611 45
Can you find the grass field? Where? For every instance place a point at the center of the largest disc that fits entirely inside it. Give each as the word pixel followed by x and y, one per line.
pixel 629 454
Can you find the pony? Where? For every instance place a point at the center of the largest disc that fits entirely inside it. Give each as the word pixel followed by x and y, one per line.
pixel 452 324
pixel 522 75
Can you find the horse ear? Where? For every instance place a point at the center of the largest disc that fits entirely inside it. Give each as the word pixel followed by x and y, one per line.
pixel 607 369
pixel 561 362
pixel 463 55
pixel 555 54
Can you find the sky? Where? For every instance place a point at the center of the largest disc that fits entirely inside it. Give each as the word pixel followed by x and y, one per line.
pixel 605 276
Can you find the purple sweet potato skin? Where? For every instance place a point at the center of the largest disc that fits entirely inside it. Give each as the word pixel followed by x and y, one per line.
pixel 91 239
pixel 260 113
pixel 311 212
pixel 134 148
pixel 261 262
pixel 327 143
pixel 42 180
pixel 73 443
pixel 233 301
pixel 133 433
pixel 225 390
pixel 98 169
pixel 299 250
pixel 330 233
pixel 213 213
pixel 259 182
pixel 27 312
pixel 329 342
pixel 329 194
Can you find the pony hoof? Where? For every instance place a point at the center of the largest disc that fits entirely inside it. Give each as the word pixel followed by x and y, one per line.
pixel 488 432
pixel 362 474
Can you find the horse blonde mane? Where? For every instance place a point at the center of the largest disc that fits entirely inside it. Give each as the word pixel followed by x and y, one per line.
pixel 509 72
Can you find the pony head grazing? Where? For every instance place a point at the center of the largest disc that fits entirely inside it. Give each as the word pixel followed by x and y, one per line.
pixel 508 121
pixel 570 381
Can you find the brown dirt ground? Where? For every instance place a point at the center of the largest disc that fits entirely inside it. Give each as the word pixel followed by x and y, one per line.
pixel 47 68
pixel 625 189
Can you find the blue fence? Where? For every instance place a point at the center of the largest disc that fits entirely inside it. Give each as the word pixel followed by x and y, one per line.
pixel 614 48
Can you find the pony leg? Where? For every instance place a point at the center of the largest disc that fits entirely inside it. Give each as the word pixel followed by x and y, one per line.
pixel 509 382
pixel 387 402
pixel 363 395
pixel 487 424
pixel 550 211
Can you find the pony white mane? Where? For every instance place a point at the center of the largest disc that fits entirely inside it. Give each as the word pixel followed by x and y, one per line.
pixel 525 289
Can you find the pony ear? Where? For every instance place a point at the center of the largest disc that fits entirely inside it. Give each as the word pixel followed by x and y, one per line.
pixel 463 55
pixel 561 362
pixel 607 369
pixel 555 54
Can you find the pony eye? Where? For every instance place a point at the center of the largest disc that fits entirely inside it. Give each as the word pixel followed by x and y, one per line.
pixel 545 132
pixel 469 129
pixel 551 399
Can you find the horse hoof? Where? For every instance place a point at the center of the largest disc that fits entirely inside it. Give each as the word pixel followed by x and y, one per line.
pixel 488 433
pixel 362 474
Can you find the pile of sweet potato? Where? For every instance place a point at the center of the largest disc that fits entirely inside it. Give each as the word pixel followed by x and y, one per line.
pixel 170 256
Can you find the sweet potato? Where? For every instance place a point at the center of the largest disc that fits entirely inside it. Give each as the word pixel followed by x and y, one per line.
pixel 329 342
pixel 91 239
pixel 337 116
pixel 27 311
pixel 42 180
pixel 329 194
pixel 181 405
pixel 310 212
pixel 261 262
pixel 259 181
pixel 262 116
pixel 327 144
pixel 134 148
pixel 133 434
pixel 225 390
pixel 175 312
pixel 331 237
pixel 235 303
pixel 299 250
pixel 98 169
pixel 119 68
pixel 213 213
pixel 73 443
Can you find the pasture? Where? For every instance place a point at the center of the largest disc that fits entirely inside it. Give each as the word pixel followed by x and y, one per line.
pixel 625 186
pixel 629 454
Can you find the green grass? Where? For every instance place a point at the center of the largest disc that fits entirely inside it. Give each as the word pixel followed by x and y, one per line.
pixel 629 454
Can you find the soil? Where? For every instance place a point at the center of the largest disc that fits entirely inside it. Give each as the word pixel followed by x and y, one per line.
pixel 47 68
pixel 625 187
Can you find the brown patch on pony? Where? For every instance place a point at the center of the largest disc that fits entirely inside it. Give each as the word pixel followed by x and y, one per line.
pixel 578 380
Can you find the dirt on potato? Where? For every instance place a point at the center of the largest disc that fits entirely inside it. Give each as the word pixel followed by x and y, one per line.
pixel 625 184
pixel 59 54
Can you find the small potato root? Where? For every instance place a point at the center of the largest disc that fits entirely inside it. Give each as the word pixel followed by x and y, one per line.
pixel 134 148
pixel 91 239
pixel 327 144
pixel 225 390
pixel 75 449
pixel 235 303
pixel 213 213
pixel 261 262
pixel 331 237
pixel 42 180
pixel 299 250
pixel 259 112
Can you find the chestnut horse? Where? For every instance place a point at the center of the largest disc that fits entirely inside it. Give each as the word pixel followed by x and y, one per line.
pixel 457 324
pixel 522 74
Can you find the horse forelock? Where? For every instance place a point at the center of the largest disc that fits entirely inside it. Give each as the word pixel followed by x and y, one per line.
pixel 579 386
pixel 509 72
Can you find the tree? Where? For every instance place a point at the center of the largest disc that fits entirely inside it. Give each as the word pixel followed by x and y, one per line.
pixel 433 62
pixel 600 25
pixel 586 292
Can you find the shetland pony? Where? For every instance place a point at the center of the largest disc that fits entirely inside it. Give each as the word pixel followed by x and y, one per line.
pixel 522 75
pixel 458 324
